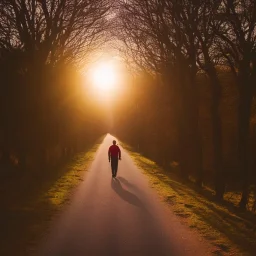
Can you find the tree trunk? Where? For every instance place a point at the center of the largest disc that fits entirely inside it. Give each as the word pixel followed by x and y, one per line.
pixel 243 139
pixel 179 117
pixel 191 148
pixel 194 132
pixel 220 176
pixel 194 135
pixel 182 121
pixel 199 178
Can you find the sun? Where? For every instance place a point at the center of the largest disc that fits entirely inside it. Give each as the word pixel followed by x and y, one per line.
pixel 104 76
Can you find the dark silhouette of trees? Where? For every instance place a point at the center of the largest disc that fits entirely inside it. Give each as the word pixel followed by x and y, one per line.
pixel 208 59
pixel 158 39
pixel 238 47
pixel 43 107
pixel 178 41
pixel 51 31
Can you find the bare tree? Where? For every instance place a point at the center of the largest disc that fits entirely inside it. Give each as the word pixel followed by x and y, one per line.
pixel 208 59
pixel 238 47
pixel 181 19
pixel 158 36
pixel 49 31
pixel 37 38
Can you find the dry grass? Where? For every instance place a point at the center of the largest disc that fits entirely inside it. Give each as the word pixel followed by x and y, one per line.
pixel 230 231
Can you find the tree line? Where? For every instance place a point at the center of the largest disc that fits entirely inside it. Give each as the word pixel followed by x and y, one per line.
pixel 45 112
pixel 177 42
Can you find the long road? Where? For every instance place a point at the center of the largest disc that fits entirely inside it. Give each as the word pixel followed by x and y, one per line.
pixel 121 216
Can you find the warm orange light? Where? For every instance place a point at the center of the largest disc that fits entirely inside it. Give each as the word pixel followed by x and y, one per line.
pixel 106 80
pixel 104 76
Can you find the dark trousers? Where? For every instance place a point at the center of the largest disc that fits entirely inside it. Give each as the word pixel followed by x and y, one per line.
pixel 114 165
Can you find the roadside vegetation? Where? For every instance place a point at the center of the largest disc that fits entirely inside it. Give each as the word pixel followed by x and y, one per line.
pixel 47 114
pixel 230 230
pixel 29 204
pixel 171 45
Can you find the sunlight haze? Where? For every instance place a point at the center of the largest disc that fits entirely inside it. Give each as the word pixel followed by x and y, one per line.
pixel 104 76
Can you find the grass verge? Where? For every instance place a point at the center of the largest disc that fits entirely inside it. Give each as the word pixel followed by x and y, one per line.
pixel 31 203
pixel 230 231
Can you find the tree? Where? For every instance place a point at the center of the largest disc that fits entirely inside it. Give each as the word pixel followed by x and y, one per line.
pixel 49 31
pixel 208 58
pixel 44 36
pixel 159 37
pixel 238 47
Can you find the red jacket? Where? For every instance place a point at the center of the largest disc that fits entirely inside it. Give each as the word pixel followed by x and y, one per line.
pixel 114 151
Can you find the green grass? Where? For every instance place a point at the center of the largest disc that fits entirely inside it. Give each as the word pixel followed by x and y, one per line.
pixel 32 203
pixel 59 192
pixel 230 232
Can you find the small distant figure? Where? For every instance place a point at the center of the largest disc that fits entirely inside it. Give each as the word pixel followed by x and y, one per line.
pixel 114 153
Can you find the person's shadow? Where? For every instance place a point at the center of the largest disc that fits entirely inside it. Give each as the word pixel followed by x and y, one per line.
pixel 125 194
pixel 127 183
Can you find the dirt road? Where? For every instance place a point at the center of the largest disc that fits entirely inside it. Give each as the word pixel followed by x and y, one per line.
pixel 121 216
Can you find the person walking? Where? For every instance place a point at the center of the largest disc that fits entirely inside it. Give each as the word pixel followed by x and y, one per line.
pixel 114 153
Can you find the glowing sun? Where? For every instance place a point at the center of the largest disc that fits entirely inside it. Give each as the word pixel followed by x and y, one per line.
pixel 104 76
